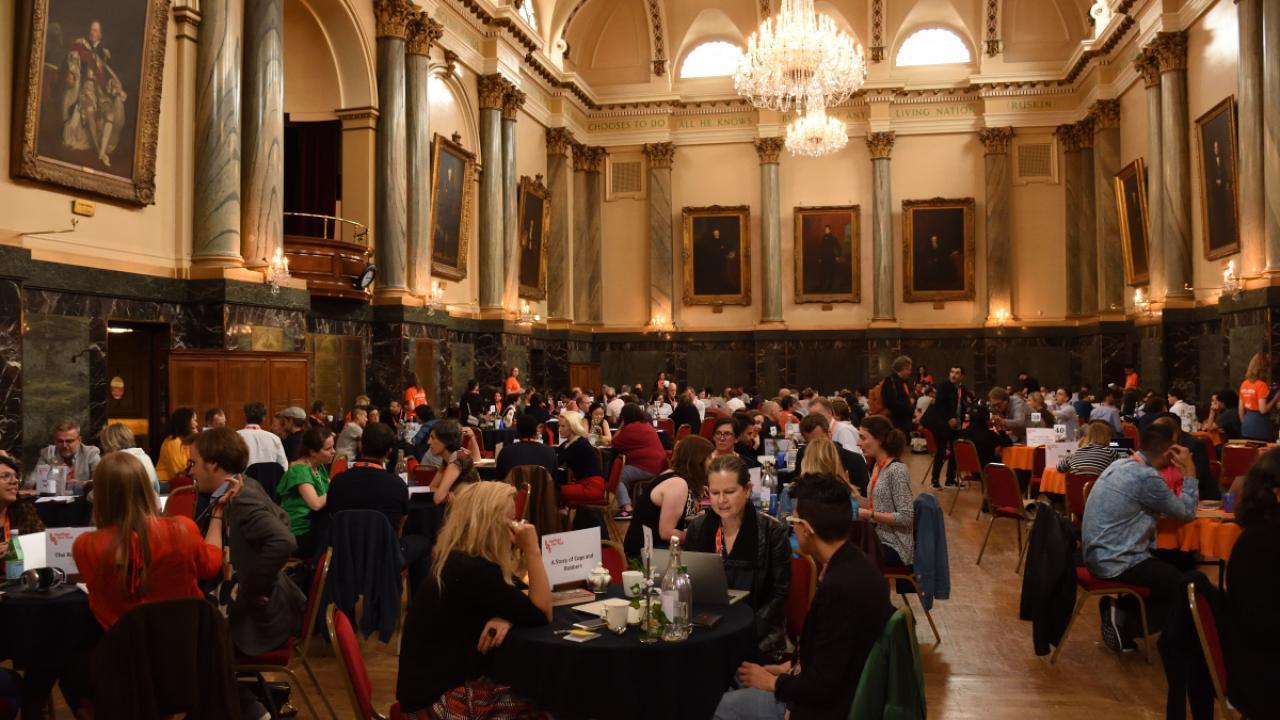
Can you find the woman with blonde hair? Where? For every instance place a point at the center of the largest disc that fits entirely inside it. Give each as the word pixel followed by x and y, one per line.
pixel 470 601
pixel 822 458
pixel 587 485
pixel 1255 402
pixel 1095 453
pixel 117 437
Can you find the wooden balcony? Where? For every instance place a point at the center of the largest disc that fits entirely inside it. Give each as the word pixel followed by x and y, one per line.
pixel 329 265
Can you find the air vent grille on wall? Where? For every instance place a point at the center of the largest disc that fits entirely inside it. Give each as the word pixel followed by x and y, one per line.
pixel 626 177
pixel 1035 162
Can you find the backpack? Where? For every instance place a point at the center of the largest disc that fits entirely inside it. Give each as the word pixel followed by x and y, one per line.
pixel 875 402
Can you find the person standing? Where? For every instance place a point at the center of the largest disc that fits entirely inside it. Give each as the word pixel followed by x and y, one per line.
pixel 264 445
pixel 512 384
pixel 414 395
pixel 944 418
pixel 1255 401
pixel 895 394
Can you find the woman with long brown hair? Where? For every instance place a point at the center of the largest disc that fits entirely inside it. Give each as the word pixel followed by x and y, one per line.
pixel 672 498
pixel 1256 402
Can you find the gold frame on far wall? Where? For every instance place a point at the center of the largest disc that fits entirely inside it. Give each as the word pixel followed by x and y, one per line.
pixel 967 246
pixel 530 187
pixel 853 214
pixel 1217 129
pixel 455 267
pixel 691 217
pixel 1133 177
pixel 111 149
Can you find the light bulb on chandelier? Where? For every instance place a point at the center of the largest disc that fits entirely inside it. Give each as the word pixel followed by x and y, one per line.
pixel 797 50
pixel 815 134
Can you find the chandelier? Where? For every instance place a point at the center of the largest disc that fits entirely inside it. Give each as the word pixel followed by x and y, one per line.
pixel 794 51
pixel 814 134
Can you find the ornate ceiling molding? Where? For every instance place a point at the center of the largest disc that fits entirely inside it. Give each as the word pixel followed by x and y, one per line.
pixel 877 30
pixel 992 41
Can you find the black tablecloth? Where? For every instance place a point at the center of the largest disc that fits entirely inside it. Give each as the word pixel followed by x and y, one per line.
pixel 424 517
pixel 491 437
pixel 617 677
pixel 45 630
pixel 78 513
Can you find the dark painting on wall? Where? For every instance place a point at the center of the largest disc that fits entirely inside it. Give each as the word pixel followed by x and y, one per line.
pixel 717 262
pixel 827 244
pixel 1216 137
pixel 535 215
pixel 938 249
pixel 87 95
pixel 452 195
pixel 1131 199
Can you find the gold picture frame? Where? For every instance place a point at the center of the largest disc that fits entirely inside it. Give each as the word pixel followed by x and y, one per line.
pixel 717 255
pixel 86 101
pixel 1131 206
pixel 934 232
pixel 535 221
pixel 451 225
pixel 819 278
pixel 1219 191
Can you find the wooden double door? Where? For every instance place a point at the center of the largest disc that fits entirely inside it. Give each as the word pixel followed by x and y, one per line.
pixel 204 379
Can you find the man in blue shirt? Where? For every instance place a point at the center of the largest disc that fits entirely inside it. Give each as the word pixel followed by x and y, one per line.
pixel 1119 529
pixel 1109 411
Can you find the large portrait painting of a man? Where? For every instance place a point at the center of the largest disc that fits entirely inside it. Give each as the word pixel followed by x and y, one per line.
pixel 717 263
pixel 535 214
pixel 87 98
pixel 827 244
pixel 1131 199
pixel 451 201
pixel 1216 135
pixel 938 249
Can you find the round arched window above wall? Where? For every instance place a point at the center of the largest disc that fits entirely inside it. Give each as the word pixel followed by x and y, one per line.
pixel 711 59
pixel 932 46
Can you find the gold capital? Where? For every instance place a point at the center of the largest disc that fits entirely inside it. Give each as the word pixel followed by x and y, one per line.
pixel 422 34
pixel 588 158
pixel 996 139
pixel 559 140
pixel 392 17
pixel 769 149
pixel 1147 66
pixel 511 103
pixel 1105 115
pixel 660 155
pixel 492 90
pixel 1171 51
pixel 881 145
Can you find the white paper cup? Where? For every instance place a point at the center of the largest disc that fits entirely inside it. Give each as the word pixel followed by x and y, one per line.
pixel 615 613
pixel 632 580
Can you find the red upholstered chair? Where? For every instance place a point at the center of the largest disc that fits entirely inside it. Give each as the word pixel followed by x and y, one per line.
pixel 804 584
pixel 610 506
pixel 708 427
pixel 480 444
pixel 899 575
pixel 522 498
pixel 423 475
pixel 614 559
pixel 181 502
pixel 1236 461
pixel 932 444
pixel 1089 586
pixel 1005 502
pixel 1037 472
pixel 967 465
pixel 338 466
pixel 668 426
pixel 1076 496
pixel 683 432
pixel 1210 645
pixel 1130 431
pixel 354 674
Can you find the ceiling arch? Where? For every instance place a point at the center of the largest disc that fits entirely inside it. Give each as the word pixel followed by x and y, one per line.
pixel 1042 30
pixel 350 48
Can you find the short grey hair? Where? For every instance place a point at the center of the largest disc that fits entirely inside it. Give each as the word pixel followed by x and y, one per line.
pixel 902 362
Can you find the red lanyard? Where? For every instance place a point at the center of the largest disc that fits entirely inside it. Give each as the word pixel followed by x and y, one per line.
pixel 368 464
pixel 720 542
pixel 7 533
pixel 871 488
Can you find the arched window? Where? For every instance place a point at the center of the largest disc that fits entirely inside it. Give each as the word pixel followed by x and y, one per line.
pixel 933 46
pixel 711 59
pixel 527 12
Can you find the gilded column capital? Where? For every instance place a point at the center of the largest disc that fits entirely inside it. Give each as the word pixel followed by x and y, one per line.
pixel 587 158
pixel 559 140
pixel 769 149
pixel 1148 67
pixel 1105 115
pixel 1170 50
pixel 512 102
pixel 660 155
pixel 1084 133
pixel 392 18
pixel 1069 136
pixel 423 33
pixel 492 90
pixel 881 145
pixel 450 62
pixel 996 139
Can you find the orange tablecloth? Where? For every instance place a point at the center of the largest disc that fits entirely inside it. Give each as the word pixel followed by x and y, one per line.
pixel 1053 481
pixel 1018 457
pixel 1209 536
pixel 1213 438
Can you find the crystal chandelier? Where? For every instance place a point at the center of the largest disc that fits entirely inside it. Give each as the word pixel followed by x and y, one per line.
pixel 795 50
pixel 814 134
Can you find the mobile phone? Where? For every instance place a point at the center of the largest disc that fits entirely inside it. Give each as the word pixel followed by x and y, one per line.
pixel 705 620
pixel 596 624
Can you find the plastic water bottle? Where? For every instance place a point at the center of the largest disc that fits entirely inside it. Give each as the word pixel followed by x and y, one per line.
pixel 677 596
pixel 14 563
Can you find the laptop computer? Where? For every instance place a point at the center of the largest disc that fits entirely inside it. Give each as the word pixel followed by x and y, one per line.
pixel 706 572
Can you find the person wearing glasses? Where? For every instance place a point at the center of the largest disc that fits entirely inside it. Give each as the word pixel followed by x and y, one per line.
pixel 846 617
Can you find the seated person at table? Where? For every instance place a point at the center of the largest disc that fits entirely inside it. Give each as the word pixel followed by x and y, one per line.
pixel 1153 408
pixel 640 443
pixel 756 550
pixel 672 498
pixel 814 427
pixel 528 449
pixel 1209 489
pixel 1109 412
pixel 585 483
pixel 293 420
pixel 426 417
pixel 117 437
pixel 367 485
pixel 1119 522
pixel 1095 453
pixel 458 465
pixel 686 412
pixel 889 503
pixel 264 445
pixel 468 604
pixel 1223 418
pixel 985 439
pixel 1009 413
pixel 1064 413
pixel 747 444
pixel 820 456
pixel 842 434
pixel 68 451
pixel 1038 414
pixel 304 487
pixel 598 424
pixel 348 442
pixel 846 617
pixel 16 518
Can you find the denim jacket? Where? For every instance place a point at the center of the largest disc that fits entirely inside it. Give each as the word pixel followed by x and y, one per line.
pixel 1120 517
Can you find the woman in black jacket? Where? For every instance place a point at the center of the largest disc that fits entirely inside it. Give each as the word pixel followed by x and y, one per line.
pixel 756 550
pixel 1253 586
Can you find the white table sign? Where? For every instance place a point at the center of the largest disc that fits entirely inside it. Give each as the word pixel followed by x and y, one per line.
pixel 1041 436
pixel 1056 451
pixel 570 556
pixel 58 548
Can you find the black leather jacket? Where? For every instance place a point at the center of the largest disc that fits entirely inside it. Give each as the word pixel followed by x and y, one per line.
pixel 768 579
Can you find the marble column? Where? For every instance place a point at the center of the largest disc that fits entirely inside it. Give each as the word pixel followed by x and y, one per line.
pixel 560 190
pixel 769 150
pixel 593 277
pixel 999 187
pixel 215 237
pixel 262 165
pixel 1088 257
pixel 661 253
pixel 1271 132
pixel 511 105
pixel 581 159
pixel 492 90
pixel 881 146
pixel 1106 163
pixel 1067 137
pixel 423 32
pixel 1158 279
pixel 1249 111
pixel 1175 134
pixel 391 167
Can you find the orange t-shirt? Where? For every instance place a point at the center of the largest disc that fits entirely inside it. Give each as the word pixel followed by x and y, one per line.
pixel 1252 393
pixel 179 558
pixel 413 397
pixel 513 386
pixel 1131 381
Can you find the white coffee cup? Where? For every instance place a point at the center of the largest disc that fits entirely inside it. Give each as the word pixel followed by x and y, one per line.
pixel 615 613
pixel 634 614
pixel 632 580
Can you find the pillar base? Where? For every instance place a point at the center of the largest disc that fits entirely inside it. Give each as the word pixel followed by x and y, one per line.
pixel 493 313
pixel 395 296
pixel 225 272
pixel 559 323
pixel 883 323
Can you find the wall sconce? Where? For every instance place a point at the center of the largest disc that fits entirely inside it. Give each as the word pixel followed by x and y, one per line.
pixel 435 298
pixel 1231 284
pixel 527 316
pixel 660 322
pixel 1001 317
pixel 276 273
pixel 1142 303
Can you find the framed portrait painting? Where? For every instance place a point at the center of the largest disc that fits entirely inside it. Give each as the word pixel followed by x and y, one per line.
pixel 452 199
pixel 717 255
pixel 1219 204
pixel 827 248
pixel 87 95
pixel 535 215
pixel 1131 200
pixel 938 249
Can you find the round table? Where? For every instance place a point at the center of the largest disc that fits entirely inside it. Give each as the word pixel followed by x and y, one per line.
pixel 1211 534
pixel 1018 457
pixel 56 514
pixel 1053 481
pixel 45 630
pixel 617 676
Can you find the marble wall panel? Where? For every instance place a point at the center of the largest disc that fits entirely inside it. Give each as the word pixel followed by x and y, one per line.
pixel 1151 357
pixel 1212 352
pixel 57 354
pixel 462 366
pixel 620 367
pixel 488 359
pixel 11 367
pixel 718 369
pixel 264 329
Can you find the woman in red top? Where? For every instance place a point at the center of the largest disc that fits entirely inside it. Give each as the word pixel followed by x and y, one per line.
pixel 646 458
pixel 1255 406
pixel 414 395
pixel 136 556
pixel 513 382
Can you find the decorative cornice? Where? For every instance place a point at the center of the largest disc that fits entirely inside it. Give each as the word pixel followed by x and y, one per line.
pixel 660 155
pixel 1171 51
pixel 492 90
pixel 1100 51
pixel 359 113
pixel 588 158
pixel 881 145
pixel 517 29
pixel 769 149
pixel 511 103
pixel 392 18
pixel 423 33
pixel 1105 115
pixel 996 139
pixel 1148 67
pixel 559 140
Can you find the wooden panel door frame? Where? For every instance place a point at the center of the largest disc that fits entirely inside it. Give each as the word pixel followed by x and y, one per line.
pixel 225 361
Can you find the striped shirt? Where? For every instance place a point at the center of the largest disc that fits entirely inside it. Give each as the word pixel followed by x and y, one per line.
pixel 1088 459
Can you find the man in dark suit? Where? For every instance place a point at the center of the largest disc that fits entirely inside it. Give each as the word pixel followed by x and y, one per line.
pixel 944 418
pixel 814 426
pixel 895 395
pixel 527 450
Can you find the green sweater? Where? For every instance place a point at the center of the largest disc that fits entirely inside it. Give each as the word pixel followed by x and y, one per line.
pixel 892 684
